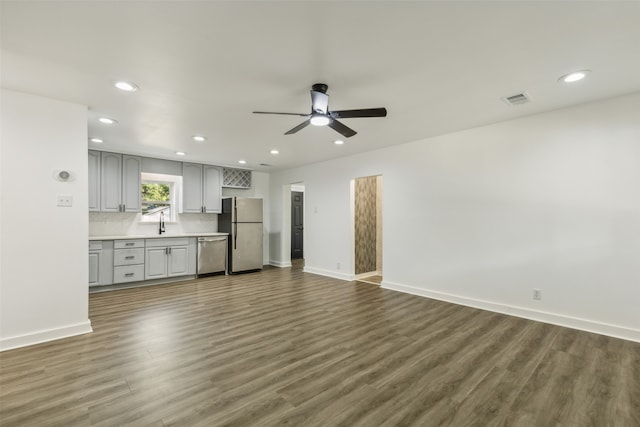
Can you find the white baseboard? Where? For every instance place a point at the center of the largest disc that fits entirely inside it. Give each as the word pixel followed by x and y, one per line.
pixel 526 313
pixel 44 336
pixel 281 264
pixel 329 273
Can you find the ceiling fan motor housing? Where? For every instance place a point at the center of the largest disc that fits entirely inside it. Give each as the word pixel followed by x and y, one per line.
pixel 320 87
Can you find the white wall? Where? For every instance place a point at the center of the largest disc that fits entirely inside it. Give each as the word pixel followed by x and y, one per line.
pixel 44 266
pixel 483 216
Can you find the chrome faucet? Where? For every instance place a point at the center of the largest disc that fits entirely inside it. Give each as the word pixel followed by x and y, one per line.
pixel 161 225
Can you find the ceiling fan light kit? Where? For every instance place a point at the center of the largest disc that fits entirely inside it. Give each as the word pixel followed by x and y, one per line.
pixel 321 116
pixel 319 120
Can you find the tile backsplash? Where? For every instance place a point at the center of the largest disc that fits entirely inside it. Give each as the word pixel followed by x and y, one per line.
pixel 122 224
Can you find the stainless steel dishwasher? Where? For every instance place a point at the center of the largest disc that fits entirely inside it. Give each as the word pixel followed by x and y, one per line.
pixel 212 255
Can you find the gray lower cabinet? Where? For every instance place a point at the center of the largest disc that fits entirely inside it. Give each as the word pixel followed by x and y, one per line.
pixel 133 260
pixel 128 261
pixel 100 262
pixel 169 257
pixel 95 265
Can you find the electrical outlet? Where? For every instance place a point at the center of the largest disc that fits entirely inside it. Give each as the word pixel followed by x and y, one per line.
pixel 337 266
pixel 537 294
pixel 65 200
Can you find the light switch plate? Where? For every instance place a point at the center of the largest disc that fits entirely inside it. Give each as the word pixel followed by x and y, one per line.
pixel 65 200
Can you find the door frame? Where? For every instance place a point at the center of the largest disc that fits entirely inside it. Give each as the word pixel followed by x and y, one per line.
pixel 379 226
pixel 286 221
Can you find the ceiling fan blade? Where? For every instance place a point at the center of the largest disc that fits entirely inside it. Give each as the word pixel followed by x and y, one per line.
pixel 365 112
pixel 297 128
pixel 319 102
pixel 287 114
pixel 346 131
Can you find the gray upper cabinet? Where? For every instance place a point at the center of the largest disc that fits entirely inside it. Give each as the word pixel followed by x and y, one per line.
pixel 119 182
pixel 201 188
pixel 131 168
pixel 94 181
pixel 212 191
pixel 192 188
pixel 111 182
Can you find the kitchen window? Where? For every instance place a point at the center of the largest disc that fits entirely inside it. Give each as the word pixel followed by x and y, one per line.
pixel 159 195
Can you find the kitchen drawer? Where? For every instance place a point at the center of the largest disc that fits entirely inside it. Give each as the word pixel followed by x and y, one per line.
pixel 128 256
pixel 128 244
pixel 128 273
pixel 95 245
pixel 169 241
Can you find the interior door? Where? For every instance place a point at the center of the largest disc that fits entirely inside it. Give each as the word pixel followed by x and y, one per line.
pixel 297 225
pixel 246 246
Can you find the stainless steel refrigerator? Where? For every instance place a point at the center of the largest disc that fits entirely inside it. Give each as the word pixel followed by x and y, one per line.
pixel 241 217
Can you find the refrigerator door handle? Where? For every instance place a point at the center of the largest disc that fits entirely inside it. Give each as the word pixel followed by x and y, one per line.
pixel 235 235
pixel 235 211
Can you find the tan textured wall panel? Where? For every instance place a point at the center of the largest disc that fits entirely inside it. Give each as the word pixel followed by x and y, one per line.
pixel 365 224
pixel 379 224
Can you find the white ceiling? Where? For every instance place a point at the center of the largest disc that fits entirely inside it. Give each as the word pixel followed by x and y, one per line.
pixel 203 67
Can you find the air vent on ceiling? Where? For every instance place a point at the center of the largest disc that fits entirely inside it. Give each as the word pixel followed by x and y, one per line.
pixel 517 99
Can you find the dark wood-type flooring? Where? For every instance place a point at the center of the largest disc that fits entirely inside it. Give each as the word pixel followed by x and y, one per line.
pixel 283 347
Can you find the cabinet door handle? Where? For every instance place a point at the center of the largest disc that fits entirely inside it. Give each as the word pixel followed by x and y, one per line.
pixel 166 251
pixel 129 244
pixel 169 251
pixel 128 275
pixel 129 257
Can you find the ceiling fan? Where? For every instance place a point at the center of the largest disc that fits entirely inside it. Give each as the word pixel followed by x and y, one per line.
pixel 321 116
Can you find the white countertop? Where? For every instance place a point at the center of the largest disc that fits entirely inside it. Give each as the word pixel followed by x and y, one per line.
pixel 156 236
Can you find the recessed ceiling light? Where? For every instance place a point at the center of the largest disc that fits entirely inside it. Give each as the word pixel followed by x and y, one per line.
pixel 199 138
pixel 126 86
pixel 575 76
pixel 181 153
pixel 96 140
pixel 338 142
pixel 107 121
pixel 242 162
pixel 274 152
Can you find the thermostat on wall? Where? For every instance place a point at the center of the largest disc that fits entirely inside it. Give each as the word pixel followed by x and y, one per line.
pixel 63 175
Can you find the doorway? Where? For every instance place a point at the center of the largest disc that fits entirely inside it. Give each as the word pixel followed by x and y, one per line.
pixel 297 225
pixel 367 220
pixel 293 224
